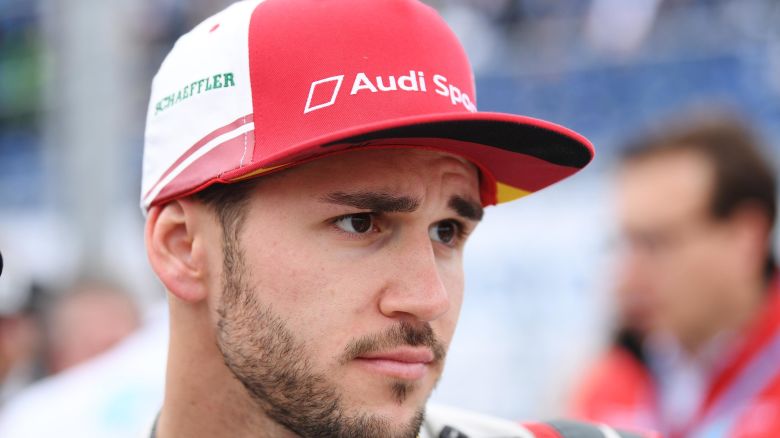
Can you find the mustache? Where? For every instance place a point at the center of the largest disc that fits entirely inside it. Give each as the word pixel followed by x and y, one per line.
pixel 399 335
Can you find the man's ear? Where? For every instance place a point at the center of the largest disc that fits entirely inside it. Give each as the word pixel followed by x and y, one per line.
pixel 174 245
pixel 753 229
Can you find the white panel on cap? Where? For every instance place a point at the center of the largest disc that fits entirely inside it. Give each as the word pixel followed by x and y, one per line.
pixel 219 45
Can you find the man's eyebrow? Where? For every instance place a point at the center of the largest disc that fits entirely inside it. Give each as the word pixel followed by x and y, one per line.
pixel 466 208
pixel 379 202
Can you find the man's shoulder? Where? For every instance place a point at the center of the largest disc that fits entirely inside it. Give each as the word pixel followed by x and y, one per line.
pixel 448 422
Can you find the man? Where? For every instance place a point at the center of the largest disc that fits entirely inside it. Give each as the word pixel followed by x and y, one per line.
pixel 699 295
pixel 312 170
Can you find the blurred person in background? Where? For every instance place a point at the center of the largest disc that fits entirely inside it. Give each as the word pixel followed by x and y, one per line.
pixel 113 394
pixel 21 337
pixel 88 318
pixel 699 348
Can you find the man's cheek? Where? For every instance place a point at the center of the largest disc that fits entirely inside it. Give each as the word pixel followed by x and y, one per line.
pixel 455 284
pixel 449 320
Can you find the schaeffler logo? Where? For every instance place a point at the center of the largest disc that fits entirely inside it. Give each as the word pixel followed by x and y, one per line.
pixel 324 92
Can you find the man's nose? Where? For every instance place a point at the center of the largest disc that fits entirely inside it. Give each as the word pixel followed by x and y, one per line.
pixel 415 286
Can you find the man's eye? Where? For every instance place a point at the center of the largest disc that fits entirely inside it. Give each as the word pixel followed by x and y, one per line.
pixel 445 232
pixel 360 223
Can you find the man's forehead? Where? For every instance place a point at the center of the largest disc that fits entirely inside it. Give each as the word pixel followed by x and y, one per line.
pixel 666 185
pixel 681 170
pixel 392 176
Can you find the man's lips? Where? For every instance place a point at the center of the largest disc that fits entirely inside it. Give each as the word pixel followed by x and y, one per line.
pixel 407 363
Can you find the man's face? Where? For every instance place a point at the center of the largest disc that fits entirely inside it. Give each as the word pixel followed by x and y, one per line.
pixel 677 263
pixel 341 290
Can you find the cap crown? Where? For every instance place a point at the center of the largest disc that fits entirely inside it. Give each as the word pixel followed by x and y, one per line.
pixel 265 83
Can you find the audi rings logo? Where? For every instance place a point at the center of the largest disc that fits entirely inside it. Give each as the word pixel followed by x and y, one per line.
pixel 324 87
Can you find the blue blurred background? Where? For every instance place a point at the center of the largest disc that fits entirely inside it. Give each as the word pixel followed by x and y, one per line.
pixel 74 81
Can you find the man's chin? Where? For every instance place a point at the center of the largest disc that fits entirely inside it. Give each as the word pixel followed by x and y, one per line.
pixel 400 420
pixel 400 402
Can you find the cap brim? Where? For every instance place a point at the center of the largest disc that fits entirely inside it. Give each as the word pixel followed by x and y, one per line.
pixel 521 155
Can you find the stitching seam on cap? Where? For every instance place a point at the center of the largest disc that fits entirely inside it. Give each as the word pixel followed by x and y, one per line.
pixel 246 134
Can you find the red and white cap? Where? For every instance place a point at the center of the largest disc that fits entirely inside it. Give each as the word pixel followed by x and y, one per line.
pixel 264 85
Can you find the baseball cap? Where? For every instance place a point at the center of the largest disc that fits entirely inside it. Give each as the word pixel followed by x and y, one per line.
pixel 265 85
